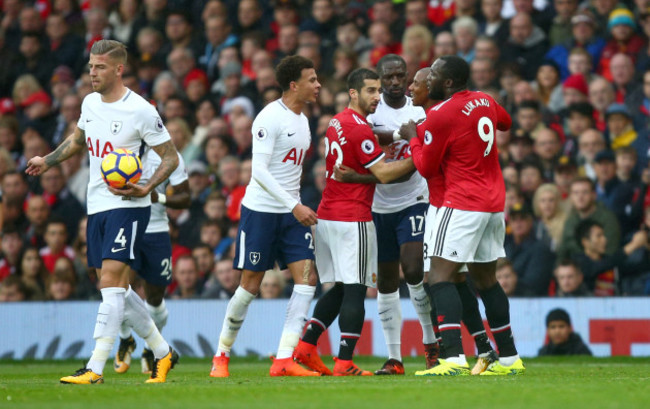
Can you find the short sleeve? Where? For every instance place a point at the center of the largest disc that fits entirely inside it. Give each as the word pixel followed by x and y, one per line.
pixel 179 175
pixel 366 147
pixel 81 123
pixel 265 131
pixel 152 129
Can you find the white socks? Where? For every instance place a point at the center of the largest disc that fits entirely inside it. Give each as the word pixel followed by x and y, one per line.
pixel 295 319
pixel 232 322
pixel 137 316
pixel 459 360
pixel 109 317
pixel 159 314
pixel 390 314
pixel 508 360
pixel 422 304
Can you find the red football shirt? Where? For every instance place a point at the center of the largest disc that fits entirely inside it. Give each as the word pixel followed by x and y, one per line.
pixel 458 138
pixel 349 140
pixel 436 183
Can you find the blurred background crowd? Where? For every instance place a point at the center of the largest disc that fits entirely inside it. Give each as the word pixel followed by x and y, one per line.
pixel 575 76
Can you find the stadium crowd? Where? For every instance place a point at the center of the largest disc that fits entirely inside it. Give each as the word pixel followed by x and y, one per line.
pixel 574 76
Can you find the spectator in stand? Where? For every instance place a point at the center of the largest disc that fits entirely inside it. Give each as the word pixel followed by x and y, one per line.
pixel 56 237
pixel 123 18
pixel 34 59
pixel 218 35
pixel 529 118
pixel 622 76
pixel 520 146
pixel 551 216
pixel 76 174
pixel 9 129
pixel 13 290
pixel 11 246
pixel 583 34
pixel 566 170
pixel 531 258
pixel 590 143
pixel 69 111
pixel 465 31
pixel 38 212
pixel 482 74
pixel 580 117
pixel 62 282
pixel 562 340
pixel 580 62
pixel 416 14
pixel 61 202
pixel 204 258
pixel 624 40
pixel 242 135
pixel 312 193
pixel 639 102
pixel 152 15
pixel 66 48
pixel 223 282
pixel 179 33
pixel 530 178
pixel 585 206
pixel 97 28
pixel 180 62
pixel 186 275
pixel 33 273
pixel 507 278
pixel 444 44
pixel 526 45
pixel 196 87
pixel 560 28
pixel 175 107
pixel 575 89
pixel 570 281
pixel 493 25
pixel 418 41
pixel 273 284
pixel 249 17
pixel 548 86
pixel 599 268
pixel 620 129
pixel 229 171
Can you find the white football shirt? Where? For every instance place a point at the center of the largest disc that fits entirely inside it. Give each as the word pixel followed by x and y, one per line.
pixel 158 222
pixel 279 132
pixel 125 123
pixel 390 198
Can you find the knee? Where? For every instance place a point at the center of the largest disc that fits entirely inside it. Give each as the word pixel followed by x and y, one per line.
pixel 483 282
pixel 413 273
pixel 387 284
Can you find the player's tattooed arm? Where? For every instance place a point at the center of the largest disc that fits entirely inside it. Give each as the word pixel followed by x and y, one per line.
pixel 179 199
pixel 169 162
pixel 69 147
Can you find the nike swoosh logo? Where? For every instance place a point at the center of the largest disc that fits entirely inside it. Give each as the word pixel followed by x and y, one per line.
pixel 291 134
pixel 382 312
pixel 88 120
pixel 417 234
pixel 421 299
pixel 235 321
pixel 378 125
pixel 96 380
pixel 113 250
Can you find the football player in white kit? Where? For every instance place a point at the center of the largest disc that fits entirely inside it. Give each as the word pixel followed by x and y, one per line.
pixel 115 117
pixel 274 224
pixel 399 211
pixel 153 263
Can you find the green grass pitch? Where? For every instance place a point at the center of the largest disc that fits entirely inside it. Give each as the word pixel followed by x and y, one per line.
pixel 556 383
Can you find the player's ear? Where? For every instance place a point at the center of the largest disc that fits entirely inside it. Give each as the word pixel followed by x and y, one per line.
pixel 293 86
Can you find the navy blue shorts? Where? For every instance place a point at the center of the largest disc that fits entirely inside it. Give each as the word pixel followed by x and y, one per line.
pixel 153 261
pixel 395 229
pixel 264 238
pixel 116 234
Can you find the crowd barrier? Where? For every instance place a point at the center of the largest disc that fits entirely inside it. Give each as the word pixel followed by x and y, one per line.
pixel 61 330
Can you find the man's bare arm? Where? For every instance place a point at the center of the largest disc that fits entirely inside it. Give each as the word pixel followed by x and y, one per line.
pixel 387 172
pixel 169 162
pixel 179 199
pixel 69 147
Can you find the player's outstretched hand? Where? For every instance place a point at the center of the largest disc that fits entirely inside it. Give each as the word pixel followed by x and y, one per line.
pixel 130 190
pixel 305 215
pixel 408 130
pixel 344 174
pixel 36 166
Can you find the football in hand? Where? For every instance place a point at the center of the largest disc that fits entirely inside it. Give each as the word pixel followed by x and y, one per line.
pixel 121 166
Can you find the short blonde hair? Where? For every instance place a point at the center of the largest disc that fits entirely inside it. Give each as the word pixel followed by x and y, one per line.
pixel 422 32
pixel 547 187
pixel 115 49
